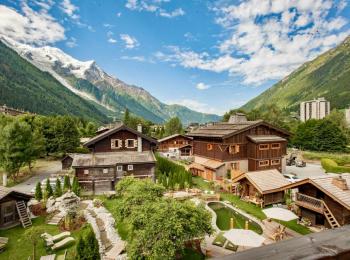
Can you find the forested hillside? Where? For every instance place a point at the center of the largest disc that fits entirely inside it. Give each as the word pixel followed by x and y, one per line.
pixel 24 86
pixel 326 76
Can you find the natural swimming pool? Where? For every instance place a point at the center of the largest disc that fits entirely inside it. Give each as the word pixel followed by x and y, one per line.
pixel 224 214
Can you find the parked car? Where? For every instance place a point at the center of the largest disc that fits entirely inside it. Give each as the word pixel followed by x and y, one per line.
pixel 291 178
pixel 300 163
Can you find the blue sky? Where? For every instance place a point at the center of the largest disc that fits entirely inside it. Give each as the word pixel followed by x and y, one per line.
pixel 208 55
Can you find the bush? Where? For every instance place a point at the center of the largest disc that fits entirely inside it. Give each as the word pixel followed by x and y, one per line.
pixel 48 191
pixel 75 186
pixel 66 183
pixel 58 188
pixel 331 166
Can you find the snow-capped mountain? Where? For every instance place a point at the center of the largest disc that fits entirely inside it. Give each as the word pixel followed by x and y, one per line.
pixel 88 80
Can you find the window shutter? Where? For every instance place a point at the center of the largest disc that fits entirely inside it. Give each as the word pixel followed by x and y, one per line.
pixel 120 143
pixel 237 149
pixel 135 143
pixel 113 143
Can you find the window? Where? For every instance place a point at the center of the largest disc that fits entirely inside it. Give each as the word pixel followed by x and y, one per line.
pixel 275 162
pixel 86 171
pixel 233 149
pixel 263 146
pixel 264 163
pixel 105 171
pixel 275 146
pixel 209 147
pixel 119 168
pixel 130 167
pixel 131 143
pixel 116 143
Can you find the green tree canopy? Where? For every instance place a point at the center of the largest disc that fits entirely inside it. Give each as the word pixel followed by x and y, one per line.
pixel 173 126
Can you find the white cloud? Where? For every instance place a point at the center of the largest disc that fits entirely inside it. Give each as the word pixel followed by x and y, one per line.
pixel 119 14
pixel 112 40
pixel 129 41
pixel 153 6
pixel 29 26
pixel 134 58
pixel 72 42
pixel 266 40
pixel 197 106
pixel 202 86
pixel 70 9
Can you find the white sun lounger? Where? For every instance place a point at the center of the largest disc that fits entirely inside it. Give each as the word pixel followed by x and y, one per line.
pixel 62 243
pixel 50 240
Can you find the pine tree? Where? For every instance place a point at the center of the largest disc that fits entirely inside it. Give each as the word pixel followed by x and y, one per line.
pixel 49 191
pixel 66 183
pixel 75 186
pixel 80 249
pixel 38 192
pixel 58 188
pixel 92 248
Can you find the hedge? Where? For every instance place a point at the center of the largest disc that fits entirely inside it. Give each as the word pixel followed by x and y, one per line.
pixel 331 166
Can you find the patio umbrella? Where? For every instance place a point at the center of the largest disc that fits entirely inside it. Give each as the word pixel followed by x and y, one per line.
pixel 244 237
pixel 280 214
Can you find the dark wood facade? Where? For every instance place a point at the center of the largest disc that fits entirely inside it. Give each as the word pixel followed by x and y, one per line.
pixel 176 141
pixel 115 153
pixel 315 213
pixel 8 211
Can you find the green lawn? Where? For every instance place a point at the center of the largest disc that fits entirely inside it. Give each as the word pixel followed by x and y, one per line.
pixel 20 248
pixel 250 208
pixel 340 158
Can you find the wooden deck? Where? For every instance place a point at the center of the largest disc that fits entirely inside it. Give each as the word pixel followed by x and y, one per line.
pixel 309 202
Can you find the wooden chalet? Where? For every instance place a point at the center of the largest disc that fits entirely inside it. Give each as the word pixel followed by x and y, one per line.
pixel 324 200
pixel 262 187
pixel 10 203
pixel 177 144
pixel 238 146
pixel 118 152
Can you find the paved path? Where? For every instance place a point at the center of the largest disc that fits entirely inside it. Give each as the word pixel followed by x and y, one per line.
pixel 43 171
pixel 311 170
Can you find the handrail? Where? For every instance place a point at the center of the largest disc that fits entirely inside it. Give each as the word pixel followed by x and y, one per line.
pixel 317 203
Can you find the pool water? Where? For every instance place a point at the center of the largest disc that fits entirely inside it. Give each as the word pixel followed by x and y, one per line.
pixel 224 214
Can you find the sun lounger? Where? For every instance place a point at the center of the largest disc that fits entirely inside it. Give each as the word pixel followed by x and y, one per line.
pixel 62 243
pixel 62 257
pixel 3 243
pixel 50 240
pixel 48 257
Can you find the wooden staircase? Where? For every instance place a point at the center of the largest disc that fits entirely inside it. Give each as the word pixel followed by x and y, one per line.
pixel 330 217
pixel 23 214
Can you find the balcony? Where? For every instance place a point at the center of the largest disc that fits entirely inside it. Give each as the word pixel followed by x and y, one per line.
pixel 310 203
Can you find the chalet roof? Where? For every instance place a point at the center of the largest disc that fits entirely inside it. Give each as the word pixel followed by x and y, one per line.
pixel 116 129
pixel 4 191
pixel 173 136
pixel 211 164
pixel 325 184
pixel 225 130
pixel 112 159
pixel 328 244
pixel 266 181
pixel 266 138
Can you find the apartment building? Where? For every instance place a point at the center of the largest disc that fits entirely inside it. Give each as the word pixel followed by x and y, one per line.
pixel 314 109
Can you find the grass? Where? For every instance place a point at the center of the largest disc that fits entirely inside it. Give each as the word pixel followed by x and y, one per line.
pixel 224 215
pixel 20 248
pixel 340 158
pixel 250 208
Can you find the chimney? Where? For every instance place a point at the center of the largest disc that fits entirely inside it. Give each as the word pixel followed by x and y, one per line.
pixel 139 138
pixel 340 182
pixel 237 118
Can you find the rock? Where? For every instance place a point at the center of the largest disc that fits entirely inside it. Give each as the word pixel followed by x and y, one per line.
pixel 67 202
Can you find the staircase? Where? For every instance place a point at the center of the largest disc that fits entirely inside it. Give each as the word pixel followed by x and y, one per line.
pixel 330 217
pixel 23 214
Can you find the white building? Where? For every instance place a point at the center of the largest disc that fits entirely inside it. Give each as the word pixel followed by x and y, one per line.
pixel 347 115
pixel 314 109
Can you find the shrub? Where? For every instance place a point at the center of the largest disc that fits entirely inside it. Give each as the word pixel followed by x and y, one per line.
pixel 38 192
pixel 87 247
pixel 331 166
pixel 48 189
pixel 75 186
pixel 66 183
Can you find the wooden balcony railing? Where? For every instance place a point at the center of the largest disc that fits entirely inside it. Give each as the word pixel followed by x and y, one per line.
pixel 310 202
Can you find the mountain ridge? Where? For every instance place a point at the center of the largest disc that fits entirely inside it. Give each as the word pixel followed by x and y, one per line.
pixel 88 80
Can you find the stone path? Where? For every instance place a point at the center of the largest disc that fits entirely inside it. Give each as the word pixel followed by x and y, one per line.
pixel 56 219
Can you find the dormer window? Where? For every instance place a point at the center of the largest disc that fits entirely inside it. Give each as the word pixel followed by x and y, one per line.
pixel 116 143
pixel 130 143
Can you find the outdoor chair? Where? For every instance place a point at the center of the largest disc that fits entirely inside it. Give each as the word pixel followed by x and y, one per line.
pixel 3 243
pixel 50 240
pixel 62 243
pixel 48 257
